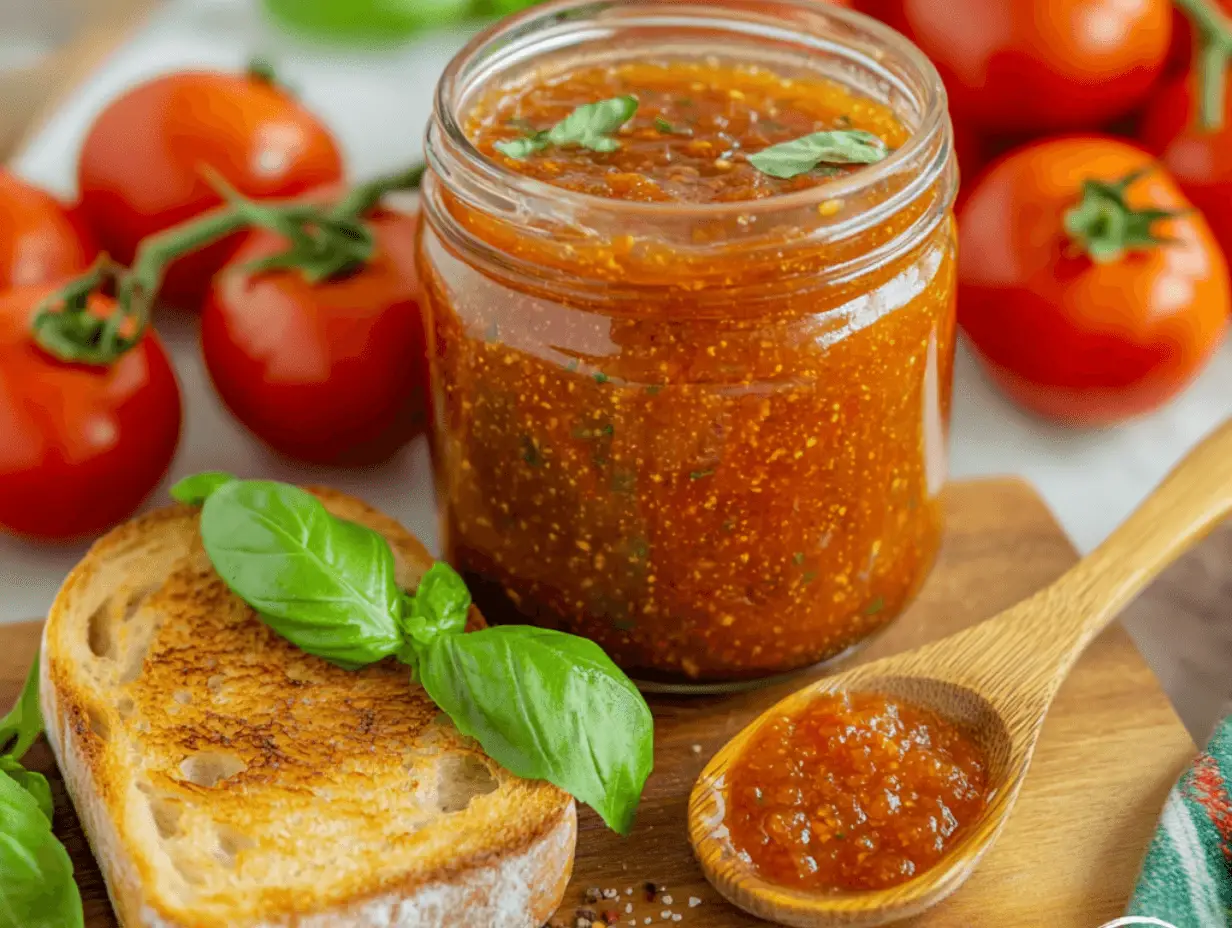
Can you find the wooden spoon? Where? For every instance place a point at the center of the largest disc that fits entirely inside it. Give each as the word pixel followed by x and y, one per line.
pixel 995 680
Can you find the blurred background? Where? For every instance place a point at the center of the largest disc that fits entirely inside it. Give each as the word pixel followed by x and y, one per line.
pixel 366 69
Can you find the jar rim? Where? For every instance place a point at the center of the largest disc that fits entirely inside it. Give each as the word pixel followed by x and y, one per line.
pixel 928 90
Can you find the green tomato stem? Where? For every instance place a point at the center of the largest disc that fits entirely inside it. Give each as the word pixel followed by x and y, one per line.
pixel 1214 29
pixel 324 243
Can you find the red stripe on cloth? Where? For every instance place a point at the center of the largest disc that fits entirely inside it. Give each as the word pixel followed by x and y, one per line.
pixel 1207 788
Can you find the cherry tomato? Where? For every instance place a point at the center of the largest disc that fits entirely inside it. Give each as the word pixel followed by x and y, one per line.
pixel 1200 159
pixel 40 240
pixel 332 372
pixel 1033 66
pixel 147 161
pixel 80 447
pixel 1064 323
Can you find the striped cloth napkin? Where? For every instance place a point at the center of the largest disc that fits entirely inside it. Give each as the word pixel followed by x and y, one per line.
pixel 1186 878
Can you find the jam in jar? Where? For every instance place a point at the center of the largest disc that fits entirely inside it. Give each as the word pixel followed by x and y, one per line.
pixel 693 411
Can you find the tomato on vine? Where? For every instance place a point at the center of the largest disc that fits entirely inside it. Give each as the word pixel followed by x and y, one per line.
pixel 40 240
pixel 1042 66
pixel 1089 287
pixel 1188 122
pixel 89 412
pixel 323 359
pixel 149 158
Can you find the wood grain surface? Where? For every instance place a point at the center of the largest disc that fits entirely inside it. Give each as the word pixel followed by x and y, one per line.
pixel 1111 749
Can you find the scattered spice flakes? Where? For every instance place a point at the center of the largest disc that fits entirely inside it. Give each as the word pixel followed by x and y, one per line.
pixel 601 377
pixel 531 453
pixel 875 606
pixel 798 558
pixel 809 576
pixel 701 474
pixel 651 890
pixel 654 389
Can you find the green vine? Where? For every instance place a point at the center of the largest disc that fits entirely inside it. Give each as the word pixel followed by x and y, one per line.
pixel 324 243
pixel 1214 51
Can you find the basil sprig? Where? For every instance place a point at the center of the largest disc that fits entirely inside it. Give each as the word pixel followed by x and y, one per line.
pixel 36 874
pixel 589 126
pixel 837 146
pixel 544 704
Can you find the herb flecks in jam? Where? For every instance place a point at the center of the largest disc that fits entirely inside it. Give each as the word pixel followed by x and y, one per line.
pixel 701 452
pixel 856 792
pixel 696 124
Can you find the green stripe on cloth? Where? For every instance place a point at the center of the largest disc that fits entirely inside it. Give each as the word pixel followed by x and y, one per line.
pixel 1185 878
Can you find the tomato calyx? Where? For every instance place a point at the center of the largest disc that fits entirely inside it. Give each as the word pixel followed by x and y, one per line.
pixel 1103 226
pixel 1213 30
pixel 262 71
pixel 64 327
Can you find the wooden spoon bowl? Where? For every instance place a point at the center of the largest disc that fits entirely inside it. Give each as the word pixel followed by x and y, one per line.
pixel 996 681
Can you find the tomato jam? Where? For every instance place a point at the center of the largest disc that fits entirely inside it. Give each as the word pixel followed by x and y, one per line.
pixel 856 792
pixel 692 411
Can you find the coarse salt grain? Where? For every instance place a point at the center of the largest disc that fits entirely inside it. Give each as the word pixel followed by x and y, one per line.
pixel 667 900
pixel 677 917
pixel 628 907
pixel 665 914
pixel 694 902
pixel 696 749
pixel 610 894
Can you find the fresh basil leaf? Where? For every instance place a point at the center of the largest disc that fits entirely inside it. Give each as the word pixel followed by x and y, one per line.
pixel 325 584
pixel 438 607
pixel 24 723
pixel 36 875
pixel 523 148
pixel 838 146
pixel 196 489
pixel 549 706
pixel 32 782
pixel 589 126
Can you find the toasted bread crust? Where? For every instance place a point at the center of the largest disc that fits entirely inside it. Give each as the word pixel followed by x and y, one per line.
pixel 225 778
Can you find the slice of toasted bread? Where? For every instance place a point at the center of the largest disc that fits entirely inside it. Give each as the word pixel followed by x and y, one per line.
pixel 226 778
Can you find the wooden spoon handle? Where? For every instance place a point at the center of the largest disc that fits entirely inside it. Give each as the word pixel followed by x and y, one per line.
pixel 1032 646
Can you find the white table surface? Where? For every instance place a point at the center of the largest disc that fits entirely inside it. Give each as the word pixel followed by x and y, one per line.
pixel 378 103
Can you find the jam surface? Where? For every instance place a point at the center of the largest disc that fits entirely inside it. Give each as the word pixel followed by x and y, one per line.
pixel 687 143
pixel 857 792
pixel 731 470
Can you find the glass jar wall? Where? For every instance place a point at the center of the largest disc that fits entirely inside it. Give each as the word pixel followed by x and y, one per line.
pixel 694 413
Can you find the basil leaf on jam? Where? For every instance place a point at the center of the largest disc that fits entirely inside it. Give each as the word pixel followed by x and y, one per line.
pixel 837 146
pixel 549 706
pixel 589 126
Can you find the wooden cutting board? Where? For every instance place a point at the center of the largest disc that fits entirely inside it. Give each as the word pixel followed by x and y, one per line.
pixel 1068 859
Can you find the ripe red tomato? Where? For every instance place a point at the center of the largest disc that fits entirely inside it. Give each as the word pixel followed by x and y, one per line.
pixel 1067 335
pixel 1200 159
pixel 80 447
pixel 40 240
pixel 332 372
pixel 1037 66
pixel 146 162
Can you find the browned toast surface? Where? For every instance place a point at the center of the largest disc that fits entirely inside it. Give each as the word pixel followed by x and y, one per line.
pixel 228 778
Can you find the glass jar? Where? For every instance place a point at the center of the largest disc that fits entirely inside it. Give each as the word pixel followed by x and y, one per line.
pixel 710 437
